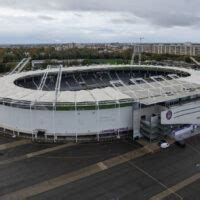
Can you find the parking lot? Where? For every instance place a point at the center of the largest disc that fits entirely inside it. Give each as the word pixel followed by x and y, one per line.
pixel 111 170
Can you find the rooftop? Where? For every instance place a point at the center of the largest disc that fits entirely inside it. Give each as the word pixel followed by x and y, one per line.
pixel 158 88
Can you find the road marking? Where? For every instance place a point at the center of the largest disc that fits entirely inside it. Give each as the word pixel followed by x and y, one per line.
pixel 102 166
pixel 154 179
pixel 14 144
pixel 74 176
pixel 34 154
pixel 176 187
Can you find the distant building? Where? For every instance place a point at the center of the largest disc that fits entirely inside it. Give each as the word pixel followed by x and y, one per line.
pixel 188 49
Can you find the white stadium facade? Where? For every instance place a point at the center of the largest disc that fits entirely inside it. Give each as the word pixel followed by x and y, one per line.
pixel 99 102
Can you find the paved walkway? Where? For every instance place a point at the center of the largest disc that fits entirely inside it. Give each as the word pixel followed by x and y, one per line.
pixel 34 154
pixel 14 144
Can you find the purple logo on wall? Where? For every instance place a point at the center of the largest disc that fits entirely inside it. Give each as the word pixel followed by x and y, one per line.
pixel 169 115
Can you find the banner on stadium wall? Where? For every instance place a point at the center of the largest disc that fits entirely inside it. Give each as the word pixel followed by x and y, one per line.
pixel 183 114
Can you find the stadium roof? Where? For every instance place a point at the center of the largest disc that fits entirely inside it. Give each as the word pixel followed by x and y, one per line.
pixel 146 93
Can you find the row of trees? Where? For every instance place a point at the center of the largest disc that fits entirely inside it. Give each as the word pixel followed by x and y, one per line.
pixel 88 53
pixel 161 57
pixel 6 67
pixel 9 57
pixel 77 53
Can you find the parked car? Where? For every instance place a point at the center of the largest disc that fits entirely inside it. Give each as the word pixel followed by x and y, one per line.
pixel 164 144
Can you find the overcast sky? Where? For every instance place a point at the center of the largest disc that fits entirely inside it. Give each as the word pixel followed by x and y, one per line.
pixel 54 21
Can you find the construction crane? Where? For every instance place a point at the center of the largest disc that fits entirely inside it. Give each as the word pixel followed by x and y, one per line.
pixel 139 52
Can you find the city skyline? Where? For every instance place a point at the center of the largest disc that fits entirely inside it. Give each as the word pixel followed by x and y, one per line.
pixel 92 21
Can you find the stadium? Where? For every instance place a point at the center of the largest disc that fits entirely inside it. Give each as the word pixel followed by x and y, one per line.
pixel 99 102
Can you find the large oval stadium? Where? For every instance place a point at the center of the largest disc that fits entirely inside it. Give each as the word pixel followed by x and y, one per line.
pixel 95 102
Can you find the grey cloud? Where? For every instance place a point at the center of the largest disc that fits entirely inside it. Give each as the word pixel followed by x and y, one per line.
pixel 46 18
pixel 164 13
pixel 175 20
pixel 124 21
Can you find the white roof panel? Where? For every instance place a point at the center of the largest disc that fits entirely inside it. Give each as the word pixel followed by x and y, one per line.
pixel 147 94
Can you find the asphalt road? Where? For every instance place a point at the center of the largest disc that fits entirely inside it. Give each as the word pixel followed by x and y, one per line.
pixel 25 173
pixel 191 192
pixel 141 178
pixel 138 179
